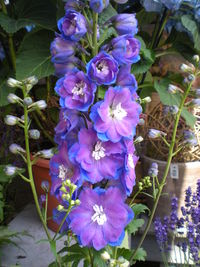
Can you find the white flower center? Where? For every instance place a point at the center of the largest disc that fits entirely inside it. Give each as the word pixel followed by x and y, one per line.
pixel 118 112
pixel 130 161
pixel 99 151
pixel 102 67
pixel 62 172
pixel 99 216
pixel 78 89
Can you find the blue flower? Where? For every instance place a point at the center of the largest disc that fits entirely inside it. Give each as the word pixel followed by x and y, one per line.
pixel 98 5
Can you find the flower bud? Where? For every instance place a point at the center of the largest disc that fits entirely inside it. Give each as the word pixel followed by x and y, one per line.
pixel 98 5
pixel 197 92
pixel 125 24
pixel 10 170
pixel 146 100
pixel 14 83
pixel 124 264
pixel 153 133
pixel 173 109
pixel 41 104
pixel 153 170
pixel 60 208
pixel 46 153
pixel 105 256
pixel 141 122
pixel 195 103
pixel 190 138
pixel 187 68
pixel 72 202
pixel 139 139
pixel 28 101
pixel 68 197
pixel 172 89
pixel 196 58
pixel 74 187
pixel 11 120
pixel 34 134
pixel 68 182
pixel 113 263
pixel 33 80
pixel 77 202
pixel 12 98
pixel 15 149
pixel 45 186
pixel 191 78
pixel 42 200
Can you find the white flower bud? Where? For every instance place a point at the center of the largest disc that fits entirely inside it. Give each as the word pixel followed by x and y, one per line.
pixel 172 89
pixel 33 80
pixel 196 58
pixel 68 182
pixel 105 256
pixel 68 197
pixel 28 101
pixel 77 202
pixel 187 68
pixel 124 264
pixel 60 208
pixel 112 263
pixel 146 99
pixel 141 122
pixel 153 133
pixel 14 83
pixel 10 170
pixel 41 104
pixel 12 98
pixel 139 139
pixel 46 153
pixel 72 202
pixel 74 187
pixel 34 134
pixel 11 120
pixel 15 149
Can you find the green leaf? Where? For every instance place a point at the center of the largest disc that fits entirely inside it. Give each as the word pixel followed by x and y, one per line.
pixel 134 225
pixel 4 91
pixel 146 61
pixel 190 24
pixel 173 99
pixel 98 261
pixel 34 57
pixel 37 12
pixel 107 13
pixel 139 208
pixel 125 253
pixel 140 255
pixel 74 249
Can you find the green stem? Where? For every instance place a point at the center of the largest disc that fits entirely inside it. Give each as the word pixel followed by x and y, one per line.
pixel 163 181
pixel 10 40
pixel 46 206
pixel 90 257
pixel 48 84
pixel 95 24
pixel 29 166
pixel 60 226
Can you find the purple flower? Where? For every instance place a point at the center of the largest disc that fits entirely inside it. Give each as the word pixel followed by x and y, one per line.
pixel 126 79
pixel 76 91
pixel 125 49
pixel 98 160
pixel 98 5
pixel 101 217
pixel 173 214
pixel 172 4
pixel 62 169
pixel 125 24
pixel 102 69
pixel 73 25
pixel 70 66
pixel 68 120
pixel 116 116
pixel 128 175
pixel 61 50
pixel 161 232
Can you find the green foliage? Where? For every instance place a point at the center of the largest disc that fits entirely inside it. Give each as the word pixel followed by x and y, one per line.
pixel 33 57
pixel 173 99
pixel 107 13
pixel 126 253
pixel 41 13
pixel 139 208
pixel 190 24
pixel 146 61
pixel 140 255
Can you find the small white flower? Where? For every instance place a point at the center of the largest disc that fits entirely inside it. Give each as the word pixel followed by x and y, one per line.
pixel 41 104
pixel 46 153
pixel 146 99
pixel 33 80
pixel 28 101
pixel 105 256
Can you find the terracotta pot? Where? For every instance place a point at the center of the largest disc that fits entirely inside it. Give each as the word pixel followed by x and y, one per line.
pixel 180 177
pixel 41 173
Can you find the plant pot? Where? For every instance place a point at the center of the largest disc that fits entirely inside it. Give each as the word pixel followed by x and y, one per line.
pixel 41 173
pixel 180 177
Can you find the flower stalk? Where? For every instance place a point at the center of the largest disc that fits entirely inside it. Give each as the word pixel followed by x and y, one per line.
pixel 163 181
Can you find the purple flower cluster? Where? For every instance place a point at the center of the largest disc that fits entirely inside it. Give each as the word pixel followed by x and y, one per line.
pixel 95 140
pixel 189 222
